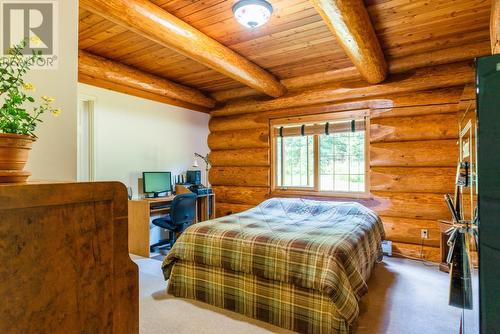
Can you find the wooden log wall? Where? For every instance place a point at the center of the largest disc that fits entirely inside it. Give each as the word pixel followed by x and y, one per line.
pixel 413 156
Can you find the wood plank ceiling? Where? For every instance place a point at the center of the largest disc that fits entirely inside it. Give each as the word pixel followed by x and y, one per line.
pixel 295 42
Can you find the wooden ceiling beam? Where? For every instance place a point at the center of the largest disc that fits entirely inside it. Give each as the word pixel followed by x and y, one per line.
pixel 152 22
pixel 85 79
pixel 92 66
pixel 350 23
pixel 495 27
pixel 435 77
pixel 398 65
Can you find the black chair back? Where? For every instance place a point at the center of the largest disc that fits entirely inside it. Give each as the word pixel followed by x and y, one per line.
pixel 183 209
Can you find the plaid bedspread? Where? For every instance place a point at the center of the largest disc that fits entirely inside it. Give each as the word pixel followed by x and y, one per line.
pixel 281 304
pixel 328 247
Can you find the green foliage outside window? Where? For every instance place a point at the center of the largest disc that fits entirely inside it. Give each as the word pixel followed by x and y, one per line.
pixel 341 162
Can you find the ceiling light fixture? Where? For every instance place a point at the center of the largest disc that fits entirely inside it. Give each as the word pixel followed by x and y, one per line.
pixel 252 13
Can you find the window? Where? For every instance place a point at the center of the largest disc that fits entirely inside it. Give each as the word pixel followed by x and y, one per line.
pixel 321 155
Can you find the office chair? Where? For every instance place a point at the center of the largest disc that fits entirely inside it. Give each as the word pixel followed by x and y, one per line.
pixel 181 215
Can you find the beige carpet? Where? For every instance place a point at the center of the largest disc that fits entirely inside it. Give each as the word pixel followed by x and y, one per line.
pixel 405 297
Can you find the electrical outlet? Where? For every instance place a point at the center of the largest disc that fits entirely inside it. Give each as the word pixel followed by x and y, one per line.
pixel 424 233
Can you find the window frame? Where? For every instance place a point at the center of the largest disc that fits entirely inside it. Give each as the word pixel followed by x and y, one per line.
pixel 314 191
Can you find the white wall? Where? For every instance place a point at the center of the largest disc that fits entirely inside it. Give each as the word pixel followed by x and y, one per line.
pixel 54 154
pixel 133 135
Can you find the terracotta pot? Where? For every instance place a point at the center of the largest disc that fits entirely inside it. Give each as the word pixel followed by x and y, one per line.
pixel 14 151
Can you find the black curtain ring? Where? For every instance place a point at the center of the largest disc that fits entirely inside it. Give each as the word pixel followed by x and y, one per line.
pixel 353 126
pixel 327 129
pixel 281 131
pixel 303 130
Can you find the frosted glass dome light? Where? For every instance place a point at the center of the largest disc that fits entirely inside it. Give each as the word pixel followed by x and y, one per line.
pixel 252 13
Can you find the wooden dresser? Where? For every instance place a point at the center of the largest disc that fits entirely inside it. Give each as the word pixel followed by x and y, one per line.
pixel 65 266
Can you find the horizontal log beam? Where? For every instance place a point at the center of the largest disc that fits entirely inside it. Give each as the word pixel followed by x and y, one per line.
pixel 413 179
pixel 105 84
pixel 422 79
pixel 250 121
pixel 240 176
pixel 154 23
pixel 240 158
pixel 434 109
pixel 430 153
pixel 397 65
pixel 428 253
pixel 260 120
pixel 428 127
pixel 250 138
pixel 409 205
pixel 349 21
pixel 241 195
pixel 407 230
pixel 225 209
pixel 100 68
pixel 439 101
pixel 295 83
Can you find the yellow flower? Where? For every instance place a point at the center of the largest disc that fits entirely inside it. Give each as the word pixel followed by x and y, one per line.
pixel 48 99
pixel 56 112
pixel 35 40
pixel 29 86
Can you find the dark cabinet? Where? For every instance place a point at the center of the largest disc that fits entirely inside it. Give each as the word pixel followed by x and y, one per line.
pixel 488 108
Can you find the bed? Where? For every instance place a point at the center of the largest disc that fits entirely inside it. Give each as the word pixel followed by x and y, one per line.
pixel 297 264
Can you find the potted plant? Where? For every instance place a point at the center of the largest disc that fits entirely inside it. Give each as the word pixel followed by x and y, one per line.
pixel 20 114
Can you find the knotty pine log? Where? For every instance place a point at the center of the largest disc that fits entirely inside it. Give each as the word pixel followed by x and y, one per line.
pixel 249 138
pixel 429 153
pixel 349 21
pixel 249 121
pixel 413 104
pixel 241 195
pixel 421 79
pixel 225 209
pixel 104 69
pixel 469 92
pixel 431 254
pixel 419 110
pixel 429 127
pixel 413 179
pixel 116 87
pixel 154 23
pixel 261 120
pixel 408 205
pixel 240 176
pixel 240 158
pixel 408 230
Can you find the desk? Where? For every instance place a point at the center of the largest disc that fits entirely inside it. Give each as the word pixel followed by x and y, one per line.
pixel 141 212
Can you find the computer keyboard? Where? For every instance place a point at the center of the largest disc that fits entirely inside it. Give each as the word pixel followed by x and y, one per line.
pixel 158 207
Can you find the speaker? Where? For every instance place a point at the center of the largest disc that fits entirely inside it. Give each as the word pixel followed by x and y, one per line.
pixel 193 177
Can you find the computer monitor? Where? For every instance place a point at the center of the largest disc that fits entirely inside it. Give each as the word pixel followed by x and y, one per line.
pixel 156 182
